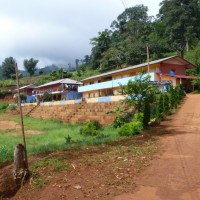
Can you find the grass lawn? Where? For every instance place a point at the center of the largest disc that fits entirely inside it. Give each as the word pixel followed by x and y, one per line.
pixel 49 135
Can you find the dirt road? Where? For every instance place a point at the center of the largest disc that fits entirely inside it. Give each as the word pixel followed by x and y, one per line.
pixel 175 174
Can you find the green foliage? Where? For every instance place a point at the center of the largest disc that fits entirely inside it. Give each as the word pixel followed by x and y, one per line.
pixel 3 105
pixel 4 93
pixel 170 32
pixel 12 107
pixel 68 139
pixel 122 115
pixel 147 113
pixel 7 82
pixel 51 137
pixel 91 128
pixel 78 72
pixel 196 83
pixel 139 116
pixel 138 91
pixel 100 44
pixel 194 57
pixel 23 97
pixel 173 99
pixel 161 105
pixel 131 128
pixel 111 59
pixel 30 66
pixel 8 68
pixel 180 27
pixel 166 104
pixel 47 97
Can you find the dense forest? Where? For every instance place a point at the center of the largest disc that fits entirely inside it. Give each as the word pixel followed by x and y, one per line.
pixel 174 31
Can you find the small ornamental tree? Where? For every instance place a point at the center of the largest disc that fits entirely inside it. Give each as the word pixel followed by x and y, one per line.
pixel 138 91
pixel 147 113
pixel 166 107
pixel 161 105
pixel 140 95
pixel 173 100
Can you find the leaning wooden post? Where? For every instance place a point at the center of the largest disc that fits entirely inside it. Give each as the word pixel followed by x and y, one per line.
pixel 21 115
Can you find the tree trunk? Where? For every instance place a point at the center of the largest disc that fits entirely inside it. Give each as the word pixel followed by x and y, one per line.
pixel 20 171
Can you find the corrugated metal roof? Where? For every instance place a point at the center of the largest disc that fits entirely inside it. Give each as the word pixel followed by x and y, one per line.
pixel 134 67
pixel 65 81
pixel 27 86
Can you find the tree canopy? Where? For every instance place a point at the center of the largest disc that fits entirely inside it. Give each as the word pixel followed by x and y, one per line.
pixel 8 67
pixel 175 30
pixel 30 66
pixel 181 20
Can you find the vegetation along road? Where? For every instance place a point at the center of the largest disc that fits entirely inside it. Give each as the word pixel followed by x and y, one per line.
pixel 175 174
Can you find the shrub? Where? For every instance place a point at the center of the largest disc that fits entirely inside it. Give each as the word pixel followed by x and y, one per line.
pixel 23 97
pixel 122 115
pixel 4 93
pixel 68 139
pixel 131 128
pixel 91 128
pixel 12 107
pixel 138 117
pixel 166 105
pixel 47 97
pixel 3 105
pixel 161 105
pixel 147 113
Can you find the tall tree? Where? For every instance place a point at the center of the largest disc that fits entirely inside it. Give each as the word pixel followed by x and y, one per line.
pixel 30 65
pixel 87 59
pixel 77 62
pixel 182 20
pixel 8 67
pixel 132 21
pixel 111 59
pixel 131 30
pixel 101 43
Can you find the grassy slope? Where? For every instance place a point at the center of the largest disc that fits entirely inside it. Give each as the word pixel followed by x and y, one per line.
pixel 52 137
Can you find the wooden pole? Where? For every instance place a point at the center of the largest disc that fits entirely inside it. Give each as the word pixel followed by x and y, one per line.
pixel 148 58
pixel 21 115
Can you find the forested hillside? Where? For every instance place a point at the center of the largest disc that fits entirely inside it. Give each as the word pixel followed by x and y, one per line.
pixel 175 30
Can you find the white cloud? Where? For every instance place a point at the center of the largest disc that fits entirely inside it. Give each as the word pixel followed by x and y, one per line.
pixel 56 31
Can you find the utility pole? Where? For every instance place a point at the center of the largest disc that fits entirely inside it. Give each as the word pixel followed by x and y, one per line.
pixel 148 59
pixel 21 115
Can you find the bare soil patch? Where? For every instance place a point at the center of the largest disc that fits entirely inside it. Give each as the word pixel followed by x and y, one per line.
pixel 6 125
pixel 14 128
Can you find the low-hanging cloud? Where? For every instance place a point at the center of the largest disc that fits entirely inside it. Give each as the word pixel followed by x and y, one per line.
pixel 54 31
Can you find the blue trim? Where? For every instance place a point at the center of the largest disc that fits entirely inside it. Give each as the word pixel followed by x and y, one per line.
pixel 104 99
pixel 111 84
pixel 51 103
pixel 77 101
pixel 63 103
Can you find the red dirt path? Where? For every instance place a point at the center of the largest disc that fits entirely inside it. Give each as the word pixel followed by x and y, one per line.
pixel 175 175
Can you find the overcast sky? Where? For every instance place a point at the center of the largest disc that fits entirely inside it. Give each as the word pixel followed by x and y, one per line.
pixel 57 31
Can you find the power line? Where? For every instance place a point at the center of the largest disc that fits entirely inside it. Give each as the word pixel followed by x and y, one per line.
pixel 123 4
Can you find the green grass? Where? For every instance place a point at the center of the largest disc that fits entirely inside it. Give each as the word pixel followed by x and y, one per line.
pixel 52 137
